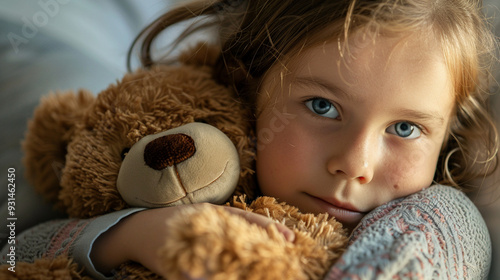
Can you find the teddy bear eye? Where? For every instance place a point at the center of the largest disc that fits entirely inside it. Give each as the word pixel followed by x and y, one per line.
pixel 124 153
pixel 201 121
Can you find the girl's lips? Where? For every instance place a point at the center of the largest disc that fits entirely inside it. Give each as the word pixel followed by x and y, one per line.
pixel 344 213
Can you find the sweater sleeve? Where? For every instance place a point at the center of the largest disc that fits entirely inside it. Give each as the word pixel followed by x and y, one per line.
pixel 71 237
pixel 437 233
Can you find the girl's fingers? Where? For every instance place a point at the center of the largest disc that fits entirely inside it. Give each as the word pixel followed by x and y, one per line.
pixel 263 222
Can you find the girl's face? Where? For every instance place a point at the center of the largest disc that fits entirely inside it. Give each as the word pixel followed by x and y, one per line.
pixel 344 136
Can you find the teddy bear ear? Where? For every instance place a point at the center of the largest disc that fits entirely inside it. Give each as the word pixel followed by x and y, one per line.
pixel 52 127
pixel 202 54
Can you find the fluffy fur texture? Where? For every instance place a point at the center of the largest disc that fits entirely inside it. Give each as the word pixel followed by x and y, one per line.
pixel 74 149
pixel 60 268
pixel 249 251
pixel 71 133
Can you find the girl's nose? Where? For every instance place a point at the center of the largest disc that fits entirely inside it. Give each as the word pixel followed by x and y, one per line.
pixel 354 158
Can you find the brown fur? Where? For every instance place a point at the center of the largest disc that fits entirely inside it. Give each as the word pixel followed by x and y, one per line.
pixel 73 155
pixel 50 131
pixel 79 132
pixel 60 268
pixel 229 247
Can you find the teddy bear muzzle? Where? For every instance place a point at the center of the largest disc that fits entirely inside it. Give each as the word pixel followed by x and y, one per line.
pixel 192 163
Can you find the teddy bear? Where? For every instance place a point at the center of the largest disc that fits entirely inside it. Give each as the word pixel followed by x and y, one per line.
pixel 167 136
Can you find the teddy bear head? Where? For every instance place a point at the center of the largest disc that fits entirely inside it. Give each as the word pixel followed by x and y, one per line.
pixel 165 136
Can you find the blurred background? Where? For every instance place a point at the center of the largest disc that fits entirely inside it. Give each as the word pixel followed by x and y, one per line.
pixel 54 45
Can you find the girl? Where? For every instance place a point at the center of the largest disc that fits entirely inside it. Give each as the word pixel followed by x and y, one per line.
pixel 364 110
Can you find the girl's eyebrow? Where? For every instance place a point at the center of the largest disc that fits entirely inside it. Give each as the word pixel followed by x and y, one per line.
pixel 427 117
pixel 325 84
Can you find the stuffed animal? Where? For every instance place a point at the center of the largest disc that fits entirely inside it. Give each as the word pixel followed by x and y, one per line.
pixel 162 137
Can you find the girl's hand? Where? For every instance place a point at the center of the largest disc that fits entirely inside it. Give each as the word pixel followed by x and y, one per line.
pixel 137 237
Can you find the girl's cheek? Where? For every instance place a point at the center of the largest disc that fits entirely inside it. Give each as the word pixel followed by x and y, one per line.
pixel 397 174
pixel 409 171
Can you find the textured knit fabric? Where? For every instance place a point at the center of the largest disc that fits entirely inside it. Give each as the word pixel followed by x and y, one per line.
pixel 435 234
pixel 50 239
pixel 71 237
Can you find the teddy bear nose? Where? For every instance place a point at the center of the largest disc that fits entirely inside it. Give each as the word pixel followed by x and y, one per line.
pixel 168 150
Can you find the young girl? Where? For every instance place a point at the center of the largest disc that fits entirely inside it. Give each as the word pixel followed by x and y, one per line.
pixel 372 111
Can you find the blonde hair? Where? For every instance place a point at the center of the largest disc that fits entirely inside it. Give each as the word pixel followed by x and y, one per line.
pixel 255 35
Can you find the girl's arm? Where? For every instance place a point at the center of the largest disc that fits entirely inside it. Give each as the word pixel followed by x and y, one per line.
pixel 138 236
pixel 435 234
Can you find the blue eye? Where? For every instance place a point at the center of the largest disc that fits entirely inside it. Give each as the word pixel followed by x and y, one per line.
pixel 404 130
pixel 322 107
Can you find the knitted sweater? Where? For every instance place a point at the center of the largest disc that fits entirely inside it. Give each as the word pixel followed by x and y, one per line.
pixel 435 234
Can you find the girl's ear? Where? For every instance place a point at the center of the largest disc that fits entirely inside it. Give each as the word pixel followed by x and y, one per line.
pixel 54 124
